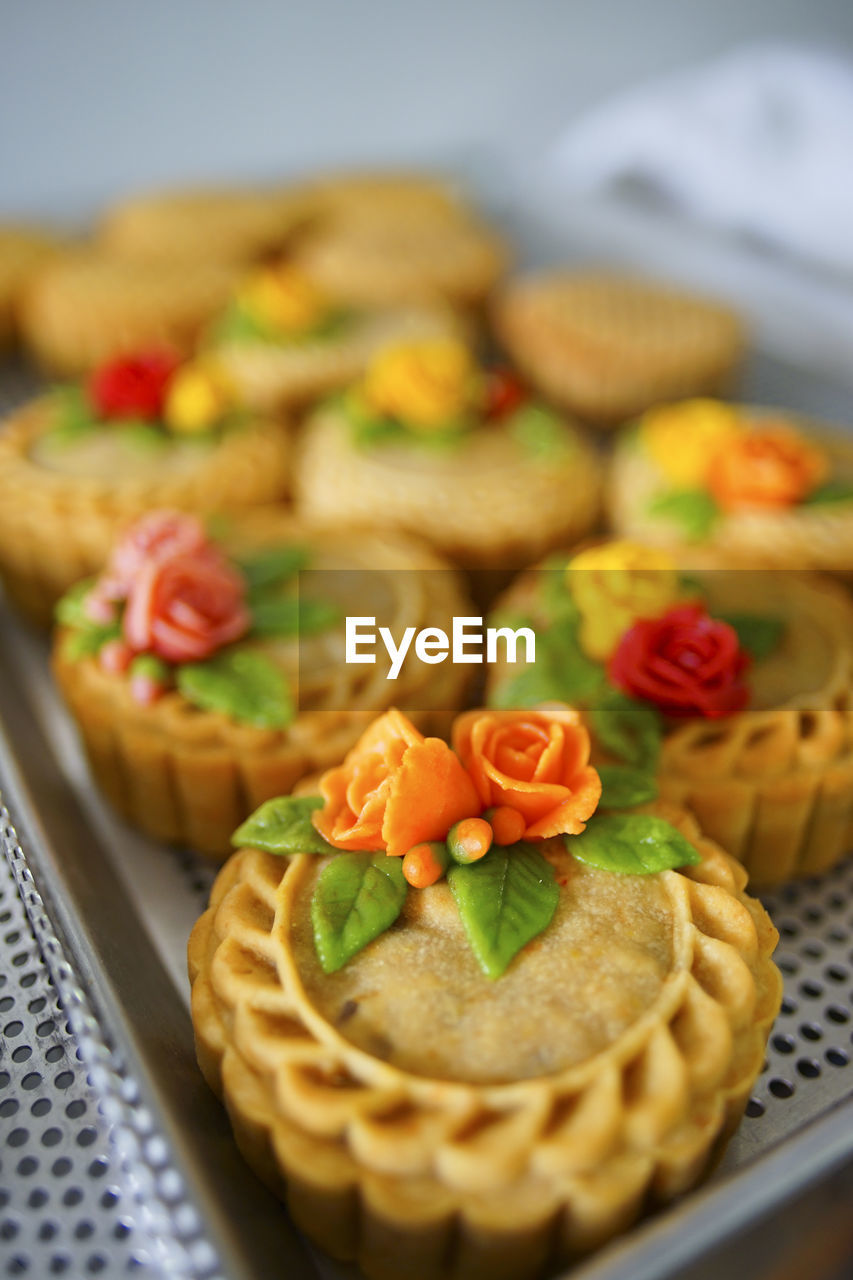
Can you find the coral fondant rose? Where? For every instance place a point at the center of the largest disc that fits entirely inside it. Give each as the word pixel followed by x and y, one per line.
pixel 422 384
pixel 184 608
pixel 157 536
pixel 772 466
pixel 682 438
pixel 395 789
pixel 133 387
pixel 686 663
pixel 613 585
pixel 536 762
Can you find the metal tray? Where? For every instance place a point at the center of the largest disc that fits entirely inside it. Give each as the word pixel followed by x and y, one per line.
pixel 111 911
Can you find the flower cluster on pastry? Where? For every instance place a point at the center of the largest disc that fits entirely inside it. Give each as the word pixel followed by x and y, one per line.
pixel 169 608
pixel 403 811
pixel 717 459
pixel 631 641
pixel 433 391
pixel 279 304
pixel 149 396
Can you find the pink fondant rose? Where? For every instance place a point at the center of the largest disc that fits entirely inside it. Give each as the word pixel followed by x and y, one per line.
pixel 158 536
pixel 184 608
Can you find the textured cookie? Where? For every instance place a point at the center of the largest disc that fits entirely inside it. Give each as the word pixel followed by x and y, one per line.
pixel 220 225
pixel 87 307
pixel 367 261
pixel 22 250
pixel 619 1060
pixel 608 346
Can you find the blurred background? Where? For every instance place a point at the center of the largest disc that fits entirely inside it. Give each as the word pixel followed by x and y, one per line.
pixel 102 96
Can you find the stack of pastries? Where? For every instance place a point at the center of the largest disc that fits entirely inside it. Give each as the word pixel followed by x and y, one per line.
pixel 287 407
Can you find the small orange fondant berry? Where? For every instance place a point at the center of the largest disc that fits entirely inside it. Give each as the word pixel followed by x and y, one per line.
pixel 425 863
pixel 507 824
pixel 469 840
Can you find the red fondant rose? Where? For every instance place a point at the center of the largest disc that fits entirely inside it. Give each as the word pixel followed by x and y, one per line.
pixel 133 387
pixel 158 536
pixel 185 608
pixel 686 663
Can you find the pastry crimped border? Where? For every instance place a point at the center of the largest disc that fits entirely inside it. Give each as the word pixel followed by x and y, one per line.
pixel 191 776
pixel 600 377
pixel 480 513
pixel 56 529
pixel 448 1179
pixel 268 376
pixel 775 787
pixel 804 537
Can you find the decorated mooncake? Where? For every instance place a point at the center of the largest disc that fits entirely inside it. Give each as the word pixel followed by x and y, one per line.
pixel 147 431
pixel 762 487
pixel 207 675
pixel 733 688
pixel 470 1015
pixel 430 443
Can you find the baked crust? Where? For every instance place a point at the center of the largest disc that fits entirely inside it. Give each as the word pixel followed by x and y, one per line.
pixel 382 261
pixel 426 1177
pixel 191 776
pixel 804 537
pixel 87 307
pixel 233 225
pixel 485 504
pixel 57 528
pixel 268 375
pixel 22 251
pixel 607 346
pixel 773 785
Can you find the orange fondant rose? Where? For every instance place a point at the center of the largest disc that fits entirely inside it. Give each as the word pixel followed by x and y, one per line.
pixel 772 466
pixel 395 789
pixel 536 762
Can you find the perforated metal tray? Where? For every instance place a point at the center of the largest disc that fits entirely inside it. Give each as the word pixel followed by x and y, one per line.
pixel 134 1168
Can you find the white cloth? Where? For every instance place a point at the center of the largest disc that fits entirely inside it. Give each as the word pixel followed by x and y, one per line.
pixel 759 141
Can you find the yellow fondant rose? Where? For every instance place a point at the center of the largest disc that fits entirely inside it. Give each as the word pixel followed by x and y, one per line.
pixel 283 300
pixel 613 585
pixel 684 438
pixel 422 384
pixel 199 396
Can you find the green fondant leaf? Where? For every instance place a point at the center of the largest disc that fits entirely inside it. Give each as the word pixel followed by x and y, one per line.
pixel 757 633
pixel 832 491
pixel 637 844
pixel 505 900
pixel 283 825
pixel 86 638
pixel 627 729
pixel 69 611
pixel 622 787
pixel 73 417
pixel 145 664
pixel 693 509
pixel 540 432
pixel 290 615
pixel 357 897
pixel 273 566
pixel 246 686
